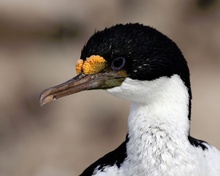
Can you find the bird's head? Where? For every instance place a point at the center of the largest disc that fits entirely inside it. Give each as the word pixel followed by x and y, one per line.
pixel 121 59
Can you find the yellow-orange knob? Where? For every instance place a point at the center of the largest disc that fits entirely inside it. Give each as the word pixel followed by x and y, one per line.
pixel 79 64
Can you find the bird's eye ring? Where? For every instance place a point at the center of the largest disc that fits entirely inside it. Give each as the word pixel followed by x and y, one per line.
pixel 118 63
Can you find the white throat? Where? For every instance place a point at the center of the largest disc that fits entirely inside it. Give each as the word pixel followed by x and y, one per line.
pixel 158 123
pixel 164 100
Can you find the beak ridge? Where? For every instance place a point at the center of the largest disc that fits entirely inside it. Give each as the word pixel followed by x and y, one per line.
pixel 63 89
pixel 80 83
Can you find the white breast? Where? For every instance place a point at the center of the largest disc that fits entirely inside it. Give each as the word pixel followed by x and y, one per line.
pixel 158 131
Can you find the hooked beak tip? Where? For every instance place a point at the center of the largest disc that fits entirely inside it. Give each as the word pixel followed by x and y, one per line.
pixel 46 97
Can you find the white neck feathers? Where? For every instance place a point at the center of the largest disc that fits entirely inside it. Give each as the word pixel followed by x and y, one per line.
pixel 163 101
pixel 165 106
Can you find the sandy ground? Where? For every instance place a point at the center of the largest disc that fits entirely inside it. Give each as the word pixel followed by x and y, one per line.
pixel 39 44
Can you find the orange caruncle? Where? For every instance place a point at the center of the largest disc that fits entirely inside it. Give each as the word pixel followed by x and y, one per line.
pixel 79 64
pixel 91 65
pixel 94 64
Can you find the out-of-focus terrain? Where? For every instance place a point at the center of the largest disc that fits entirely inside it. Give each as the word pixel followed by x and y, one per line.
pixel 39 44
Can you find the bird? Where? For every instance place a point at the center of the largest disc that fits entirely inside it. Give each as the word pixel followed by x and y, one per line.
pixel 138 63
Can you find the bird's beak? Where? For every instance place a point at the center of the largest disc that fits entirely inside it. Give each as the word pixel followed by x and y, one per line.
pixel 102 80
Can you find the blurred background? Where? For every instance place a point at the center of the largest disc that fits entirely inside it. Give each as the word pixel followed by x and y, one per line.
pixel 40 42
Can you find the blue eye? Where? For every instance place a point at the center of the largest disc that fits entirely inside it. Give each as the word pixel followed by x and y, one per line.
pixel 118 63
